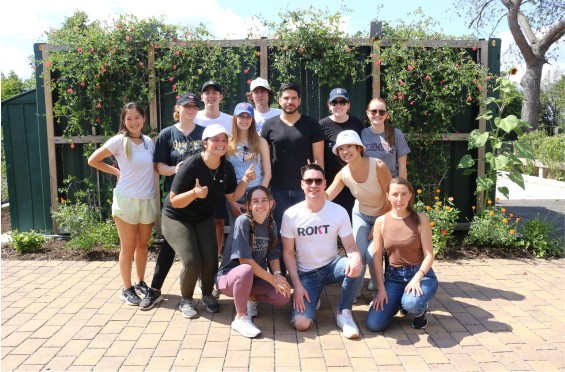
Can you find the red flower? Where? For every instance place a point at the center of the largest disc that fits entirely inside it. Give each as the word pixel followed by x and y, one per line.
pixel 258 54
pixel 394 97
pixel 97 86
pixel 82 83
pixel 246 71
pixel 443 231
pixel 48 63
pixel 72 145
pixel 141 63
pixel 181 43
pixel 379 61
pixel 412 103
pixel 248 81
pixel 171 79
pixel 401 82
pixel 479 87
pixel 469 99
pixel 174 87
pixel 177 52
pixel 301 50
pixel 410 68
pixel 98 120
pixel 372 55
pixel 427 77
pixel 103 70
pixel 174 67
pixel 99 105
pixel 128 38
pixel 79 50
pixel 70 90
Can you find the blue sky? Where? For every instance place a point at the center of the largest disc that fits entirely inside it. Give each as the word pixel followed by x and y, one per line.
pixel 228 19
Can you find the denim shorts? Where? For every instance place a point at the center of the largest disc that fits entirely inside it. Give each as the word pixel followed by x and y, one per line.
pixel 133 211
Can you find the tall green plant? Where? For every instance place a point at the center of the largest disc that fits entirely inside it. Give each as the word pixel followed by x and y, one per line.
pixel 497 157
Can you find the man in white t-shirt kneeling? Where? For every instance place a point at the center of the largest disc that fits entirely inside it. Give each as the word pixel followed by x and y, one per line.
pixel 312 227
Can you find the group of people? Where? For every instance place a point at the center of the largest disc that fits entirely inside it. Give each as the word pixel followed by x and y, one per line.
pixel 266 170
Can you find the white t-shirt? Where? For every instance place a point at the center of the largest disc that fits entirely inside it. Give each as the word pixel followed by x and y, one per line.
pixel 315 234
pixel 224 120
pixel 136 174
pixel 260 117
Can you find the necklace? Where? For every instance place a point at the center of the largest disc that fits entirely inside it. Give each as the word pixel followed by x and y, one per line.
pixel 213 173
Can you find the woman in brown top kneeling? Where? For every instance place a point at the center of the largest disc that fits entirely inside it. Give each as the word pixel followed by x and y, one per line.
pixel 409 281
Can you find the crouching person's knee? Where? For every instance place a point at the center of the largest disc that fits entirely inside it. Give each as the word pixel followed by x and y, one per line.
pixel 301 323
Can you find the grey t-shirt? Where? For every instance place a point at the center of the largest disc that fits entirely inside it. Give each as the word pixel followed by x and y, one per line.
pixel 378 147
pixel 238 245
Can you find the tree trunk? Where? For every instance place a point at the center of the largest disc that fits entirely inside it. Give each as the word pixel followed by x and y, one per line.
pixel 531 82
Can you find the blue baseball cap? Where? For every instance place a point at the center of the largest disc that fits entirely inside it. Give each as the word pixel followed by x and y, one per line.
pixel 338 93
pixel 244 107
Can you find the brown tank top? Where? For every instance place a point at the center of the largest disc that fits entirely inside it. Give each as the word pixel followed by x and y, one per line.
pixel 402 241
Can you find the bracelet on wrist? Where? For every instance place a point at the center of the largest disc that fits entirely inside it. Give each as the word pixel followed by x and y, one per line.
pixel 278 272
pixel 422 271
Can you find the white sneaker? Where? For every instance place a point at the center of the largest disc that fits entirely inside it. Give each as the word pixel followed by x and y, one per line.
pixel 252 311
pixel 371 286
pixel 347 325
pixel 245 327
pixel 319 304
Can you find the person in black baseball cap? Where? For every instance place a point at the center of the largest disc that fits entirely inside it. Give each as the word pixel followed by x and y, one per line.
pixel 187 98
pixel 213 84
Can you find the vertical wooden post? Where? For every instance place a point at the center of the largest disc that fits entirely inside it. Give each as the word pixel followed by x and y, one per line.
pixel 376 69
pixel 263 59
pixel 49 120
pixel 482 128
pixel 153 123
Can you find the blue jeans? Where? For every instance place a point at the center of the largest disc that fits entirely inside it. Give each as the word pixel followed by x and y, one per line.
pixel 284 199
pixel 362 225
pixel 314 281
pixel 396 280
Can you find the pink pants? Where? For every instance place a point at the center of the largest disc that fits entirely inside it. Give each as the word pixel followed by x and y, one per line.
pixel 239 283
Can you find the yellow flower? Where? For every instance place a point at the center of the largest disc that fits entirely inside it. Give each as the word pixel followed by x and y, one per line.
pixel 432 224
pixel 497 199
pixel 428 207
pixel 448 208
pixel 517 219
pixel 419 191
pixel 504 220
pixel 436 198
pixel 491 213
pixel 489 202
pixel 438 191
pixel 473 207
pixel 438 203
pixel 512 232
pixel 503 210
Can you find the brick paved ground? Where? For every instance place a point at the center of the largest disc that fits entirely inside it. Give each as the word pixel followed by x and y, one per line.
pixel 487 315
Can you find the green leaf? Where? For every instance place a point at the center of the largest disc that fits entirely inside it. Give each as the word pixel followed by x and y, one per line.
pixel 524 150
pixel 466 161
pixel 504 191
pixel 517 178
pixel 500 162
pixel 508 123
pixel 467 172
pixel 484 183
pixel 477 139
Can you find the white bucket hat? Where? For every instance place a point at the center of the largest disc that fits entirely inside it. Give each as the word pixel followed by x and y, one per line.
pixel 347 137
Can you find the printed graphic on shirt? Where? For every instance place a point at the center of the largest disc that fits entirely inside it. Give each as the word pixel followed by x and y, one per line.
pixel 261 244
pixel 312 230
pixel 186 149
pixel 383 147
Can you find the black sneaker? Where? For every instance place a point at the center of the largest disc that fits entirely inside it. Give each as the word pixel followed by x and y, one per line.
pixel 188 308
pixel 402 311
pixel 211 303
pixel 141 287
pixel 152 298
pixel 420 322
pixel 130 297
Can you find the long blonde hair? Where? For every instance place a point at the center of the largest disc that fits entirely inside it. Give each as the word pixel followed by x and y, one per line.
pixel 126 142
pixel 253 139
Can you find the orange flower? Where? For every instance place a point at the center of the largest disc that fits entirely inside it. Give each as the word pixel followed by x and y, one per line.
pixel 511 215
pixel 438 191
pixel 436 198
pixel 473 207
pixel 503 210
pixel 504 220
pixel 489 202
pixel 448 208
pixel 497 199
pixel 517 219
pixel 419 191
pixel 491 213
pixel 428 207
pixel 438 203
pixel 443 231
pixel 432 224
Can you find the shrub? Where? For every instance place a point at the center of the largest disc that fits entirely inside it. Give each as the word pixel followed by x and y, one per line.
pixel 538 238
pixel 26 242
pixel 493 227
pixel 443 219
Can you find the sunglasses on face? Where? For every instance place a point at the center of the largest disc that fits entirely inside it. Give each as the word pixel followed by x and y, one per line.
pixel 375 112
pixel 309 181
pixel 341 103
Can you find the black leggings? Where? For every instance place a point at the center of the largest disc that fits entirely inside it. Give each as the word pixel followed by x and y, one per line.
pixel 197 248
pixel 165 261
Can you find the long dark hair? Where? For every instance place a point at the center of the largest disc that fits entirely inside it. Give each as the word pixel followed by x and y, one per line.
pixel 124 130
pixel 410 207
pixel 273 241
pixel 389 129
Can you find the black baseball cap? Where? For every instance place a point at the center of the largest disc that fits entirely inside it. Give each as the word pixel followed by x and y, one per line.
pixel 188 97
pixel 212 83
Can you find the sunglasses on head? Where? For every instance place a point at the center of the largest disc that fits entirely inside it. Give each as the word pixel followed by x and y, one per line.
pixel 245 152
pixel 380 112
pixel 310 180
pixel 341 103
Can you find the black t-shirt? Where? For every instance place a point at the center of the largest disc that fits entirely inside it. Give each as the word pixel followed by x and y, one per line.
pixel 291 147
pixel 172 147
pixel 220 181
pixel 331 129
